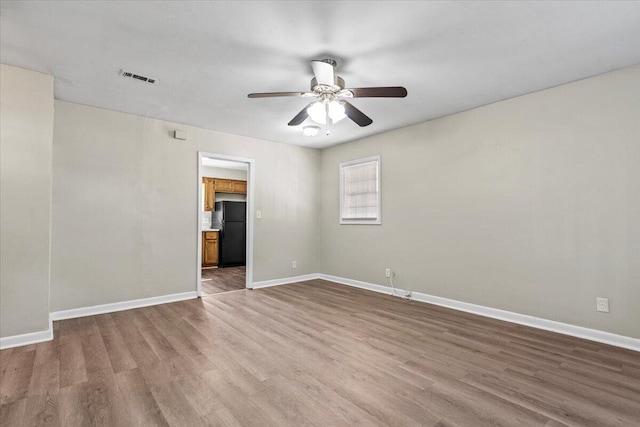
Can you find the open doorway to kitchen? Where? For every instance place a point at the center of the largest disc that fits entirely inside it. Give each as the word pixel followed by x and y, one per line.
pixel 225 225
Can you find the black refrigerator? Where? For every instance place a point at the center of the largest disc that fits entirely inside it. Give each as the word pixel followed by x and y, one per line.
pixel 231 218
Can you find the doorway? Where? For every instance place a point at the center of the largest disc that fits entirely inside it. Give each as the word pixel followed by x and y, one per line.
pixel 225 224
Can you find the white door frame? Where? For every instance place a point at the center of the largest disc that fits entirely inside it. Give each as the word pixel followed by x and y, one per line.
pixel 250 192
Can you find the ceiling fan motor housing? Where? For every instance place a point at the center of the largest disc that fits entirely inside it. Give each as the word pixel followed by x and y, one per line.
pixel 331 62
pixel 328 89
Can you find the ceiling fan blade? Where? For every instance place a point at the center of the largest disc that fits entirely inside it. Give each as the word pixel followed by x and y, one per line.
pixel 324 72
pixel 356 115
pixel 274 94
pixel 300 117
pixel 379 92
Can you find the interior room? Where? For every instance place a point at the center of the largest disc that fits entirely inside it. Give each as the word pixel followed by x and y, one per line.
pixel 286 213
pixel 224 214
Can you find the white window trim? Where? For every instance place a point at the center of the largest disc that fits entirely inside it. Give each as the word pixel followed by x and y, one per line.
pixel 376 221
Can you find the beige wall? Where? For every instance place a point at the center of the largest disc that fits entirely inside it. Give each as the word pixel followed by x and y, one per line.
pixel 125 206
pixel 26 128
pixel 530 205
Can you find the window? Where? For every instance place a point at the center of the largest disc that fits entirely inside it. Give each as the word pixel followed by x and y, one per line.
pixel 360 191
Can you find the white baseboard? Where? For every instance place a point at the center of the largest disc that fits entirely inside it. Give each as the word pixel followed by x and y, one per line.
pixel 26 339
pixel 120 306
pixel 358 284
pixel 520 319
pixel 284 281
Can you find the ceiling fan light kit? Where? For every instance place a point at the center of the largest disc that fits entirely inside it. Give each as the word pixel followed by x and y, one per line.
pixel 317 112
pixel 332 105
pixel 336 111
pixel 310 130
pixel 324 112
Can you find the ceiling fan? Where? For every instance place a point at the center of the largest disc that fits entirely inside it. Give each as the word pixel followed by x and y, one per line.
pixel 331 104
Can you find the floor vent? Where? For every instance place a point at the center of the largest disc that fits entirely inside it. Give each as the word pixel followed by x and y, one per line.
pixel 130 75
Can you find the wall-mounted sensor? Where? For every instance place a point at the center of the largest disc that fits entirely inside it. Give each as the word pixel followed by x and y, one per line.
pixel 178 134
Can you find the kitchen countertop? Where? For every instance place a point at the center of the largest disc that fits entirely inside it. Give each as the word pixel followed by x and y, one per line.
pixel 210 229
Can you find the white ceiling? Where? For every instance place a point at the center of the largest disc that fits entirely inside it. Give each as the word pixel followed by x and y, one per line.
pixel 451 56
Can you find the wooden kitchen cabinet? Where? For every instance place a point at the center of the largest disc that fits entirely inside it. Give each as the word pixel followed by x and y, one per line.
pixel 212 185
pixel 240 187
pixel 224 185
pixel 230 186
pixel 209 193
pixel 209 248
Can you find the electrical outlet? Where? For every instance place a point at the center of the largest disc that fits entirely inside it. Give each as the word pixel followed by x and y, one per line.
pixel 294 264
pixel 387 272
pixel 258 214
pixel 602 304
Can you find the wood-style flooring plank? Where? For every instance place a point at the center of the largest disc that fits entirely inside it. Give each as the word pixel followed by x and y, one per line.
pixel 174 405
pixel 141 407
pixel 17 376
pixel 135 342
pixel 42 409
pixel 72 363
pixel 218 280
pixel 120 357
pixel 96 402
pixel 12 413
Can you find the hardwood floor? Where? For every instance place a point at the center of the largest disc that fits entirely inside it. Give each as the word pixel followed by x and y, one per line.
pixel 314 353
pixel 217 280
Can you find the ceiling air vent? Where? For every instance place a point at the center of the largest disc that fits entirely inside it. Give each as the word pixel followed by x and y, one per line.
pixel 130 75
